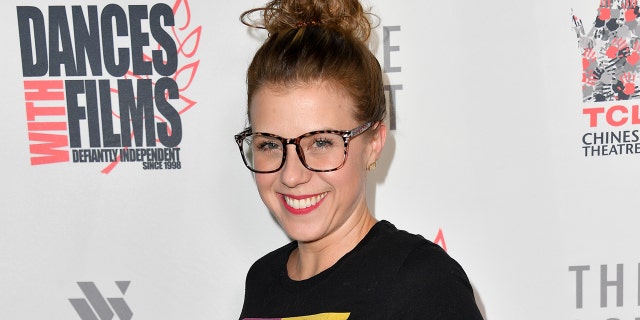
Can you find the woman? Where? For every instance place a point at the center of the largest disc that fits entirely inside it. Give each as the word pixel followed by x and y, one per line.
pixel 316 111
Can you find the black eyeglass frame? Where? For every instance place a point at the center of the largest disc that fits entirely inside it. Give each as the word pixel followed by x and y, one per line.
pixel 346 135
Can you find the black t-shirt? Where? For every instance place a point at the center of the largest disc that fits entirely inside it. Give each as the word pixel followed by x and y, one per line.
pixel 391 275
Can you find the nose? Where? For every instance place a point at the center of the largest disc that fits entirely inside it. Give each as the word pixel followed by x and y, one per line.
pixel 293 172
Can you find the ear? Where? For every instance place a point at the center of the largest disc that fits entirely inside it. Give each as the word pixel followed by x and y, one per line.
pixel 377 141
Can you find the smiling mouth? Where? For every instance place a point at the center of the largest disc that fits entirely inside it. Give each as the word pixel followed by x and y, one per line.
pixel 300 204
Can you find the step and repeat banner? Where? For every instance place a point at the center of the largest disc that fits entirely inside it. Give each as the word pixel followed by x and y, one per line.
pixel 514 144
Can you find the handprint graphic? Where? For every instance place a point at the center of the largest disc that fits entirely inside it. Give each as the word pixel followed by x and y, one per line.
pixel 610 52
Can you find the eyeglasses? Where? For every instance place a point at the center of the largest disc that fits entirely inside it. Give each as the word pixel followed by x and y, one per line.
pixel 319 151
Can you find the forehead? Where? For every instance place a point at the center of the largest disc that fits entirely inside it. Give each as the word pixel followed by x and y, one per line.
pixel 292 111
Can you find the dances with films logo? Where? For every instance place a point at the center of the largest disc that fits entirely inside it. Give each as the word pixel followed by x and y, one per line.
pixel 107 84
pixel 610 78
pixel 94 306
pixel 606 292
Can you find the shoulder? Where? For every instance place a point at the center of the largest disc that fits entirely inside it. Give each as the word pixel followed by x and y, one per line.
pixel 411 250
pixel 411 256
pixel 433 265
pixel 429 281
pixel 424 260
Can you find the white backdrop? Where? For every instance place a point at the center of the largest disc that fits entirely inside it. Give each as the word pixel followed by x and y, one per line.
pixel 487 148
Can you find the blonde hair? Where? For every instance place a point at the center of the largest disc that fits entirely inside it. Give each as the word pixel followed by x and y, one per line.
pixel 318 40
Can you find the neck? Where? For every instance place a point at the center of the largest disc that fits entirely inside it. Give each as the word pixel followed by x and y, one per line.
pixel 311 258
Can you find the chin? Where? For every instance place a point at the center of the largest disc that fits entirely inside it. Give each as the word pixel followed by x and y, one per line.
pixel 299 231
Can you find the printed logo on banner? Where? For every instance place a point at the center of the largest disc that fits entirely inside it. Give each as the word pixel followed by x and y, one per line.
pixel 610 54
pixel 608 291
pixel 94 306
pixel 107 85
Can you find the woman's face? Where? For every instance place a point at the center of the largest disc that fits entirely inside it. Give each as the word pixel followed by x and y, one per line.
pixel 328 203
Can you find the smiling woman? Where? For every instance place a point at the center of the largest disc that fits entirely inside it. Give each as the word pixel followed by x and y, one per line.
pixel 341 218
pixel 316 111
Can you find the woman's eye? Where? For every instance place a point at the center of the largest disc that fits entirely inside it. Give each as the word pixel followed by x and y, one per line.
pixel 322 143
pixel 268 146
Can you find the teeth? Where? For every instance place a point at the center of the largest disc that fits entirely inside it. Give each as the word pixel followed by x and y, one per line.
pixel 304 203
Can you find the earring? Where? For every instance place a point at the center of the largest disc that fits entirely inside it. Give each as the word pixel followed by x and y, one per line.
pixel 372 166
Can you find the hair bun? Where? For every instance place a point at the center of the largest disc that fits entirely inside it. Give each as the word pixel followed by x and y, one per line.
pixel 345 16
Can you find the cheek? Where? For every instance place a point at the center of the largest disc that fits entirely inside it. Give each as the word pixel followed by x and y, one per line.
pixel 265 185
pixel 353 173
pixel 356 158
pixel 264 182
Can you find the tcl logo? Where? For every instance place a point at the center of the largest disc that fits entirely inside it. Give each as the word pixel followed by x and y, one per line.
pixel 615 116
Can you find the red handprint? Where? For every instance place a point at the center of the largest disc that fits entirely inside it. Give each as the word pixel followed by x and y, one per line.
pixel 618 48
pixel 604 14
pixel 625 87
pixel 628 83
pixel 634 55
